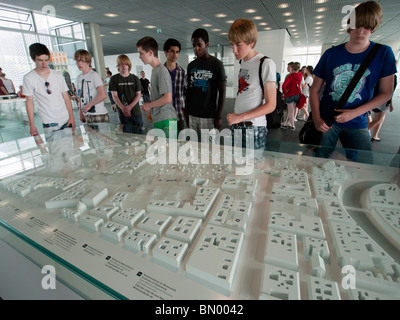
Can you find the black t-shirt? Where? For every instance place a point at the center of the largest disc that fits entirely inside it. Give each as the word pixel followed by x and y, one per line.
pixel 203 78
pixel 145 85
pixel 128 86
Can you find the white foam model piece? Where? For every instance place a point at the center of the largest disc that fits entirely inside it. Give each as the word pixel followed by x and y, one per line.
pixel 90 223
pixel 127 167
pixel 95 197
pixel 313 246
pixel 280 283
pixel 281 250
pixel 104 212
pixel 202 203
pixel 113 231
pixel 140 241
pixel 331 170
pixel 121 200
pixel 69 198
pixel 325 188
pixel 290 203
pixel 383 202
pixel 221 246
pixel 355 247
pixel 155 223
pixel 318 266
pixel 231 213
pixel 292 182
pixel 384 196
pixel 389 285
pixel 72 215
pixel 236 182
pixel 301 225
pixel 334 211
pixel 184 229
pixel 322 289
pixel 364 294
pixel 128 217
pixel 169 252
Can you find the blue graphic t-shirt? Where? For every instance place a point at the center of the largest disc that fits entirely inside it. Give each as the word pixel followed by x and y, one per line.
pixel 337 67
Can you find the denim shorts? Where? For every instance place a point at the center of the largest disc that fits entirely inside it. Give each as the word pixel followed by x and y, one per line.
pixel 291 99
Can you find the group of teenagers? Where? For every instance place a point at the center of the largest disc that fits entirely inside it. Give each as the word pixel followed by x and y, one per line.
pixel 199 105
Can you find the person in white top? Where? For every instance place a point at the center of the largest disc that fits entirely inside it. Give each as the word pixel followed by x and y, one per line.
pixel 51 92
pixel 305 89
pixel 8 84
pixel 91 90
pixel 251 104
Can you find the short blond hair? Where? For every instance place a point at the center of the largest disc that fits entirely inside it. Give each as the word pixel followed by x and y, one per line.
pixel 243 30
pixel 296 66
pixel 83 55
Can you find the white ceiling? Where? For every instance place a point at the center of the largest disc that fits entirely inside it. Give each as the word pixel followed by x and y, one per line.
pixel 173 18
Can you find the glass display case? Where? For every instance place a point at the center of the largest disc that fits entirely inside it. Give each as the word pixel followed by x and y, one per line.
pixel 135 216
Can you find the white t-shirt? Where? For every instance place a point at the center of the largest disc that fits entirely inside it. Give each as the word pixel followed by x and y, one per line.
pixel 306 90
pixel 249 95
pixel 92 80
pixel 51 107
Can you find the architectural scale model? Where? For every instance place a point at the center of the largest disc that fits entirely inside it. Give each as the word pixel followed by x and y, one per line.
pixel 295 228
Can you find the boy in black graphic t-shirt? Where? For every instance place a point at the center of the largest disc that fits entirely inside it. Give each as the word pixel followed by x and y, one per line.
pixel 206 82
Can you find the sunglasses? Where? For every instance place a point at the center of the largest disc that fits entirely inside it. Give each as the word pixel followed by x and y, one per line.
pixel 47 86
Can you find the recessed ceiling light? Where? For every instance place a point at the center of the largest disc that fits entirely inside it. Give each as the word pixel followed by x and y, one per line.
pixel 220 15
pixel 115 32
pixel 111 15
pixel 194 19
pixel 257 18
pixel 320 16
pixel 263 24
pixel 287 14
pixel 250 10
pixel 268 28
pixel 207 25
pixel 230 21
pixel 292 26
pixel 321 1
pixel 216 30
pixel 321 9
pixel 283 5
pixel 290 20
pixel 319 22
pixel 82 7
pixel 150 27
pixel 132 30
pixel 133 21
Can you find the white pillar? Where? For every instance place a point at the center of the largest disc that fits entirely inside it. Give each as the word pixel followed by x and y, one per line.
pixel 97 48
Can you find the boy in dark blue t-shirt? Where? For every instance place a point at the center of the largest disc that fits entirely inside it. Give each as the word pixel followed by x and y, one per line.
pixel 337 67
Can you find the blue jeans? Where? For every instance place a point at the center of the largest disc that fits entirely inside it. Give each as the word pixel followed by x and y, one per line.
pixel 352 140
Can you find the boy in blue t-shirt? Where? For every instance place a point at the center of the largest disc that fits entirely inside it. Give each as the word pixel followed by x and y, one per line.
pixel 337 67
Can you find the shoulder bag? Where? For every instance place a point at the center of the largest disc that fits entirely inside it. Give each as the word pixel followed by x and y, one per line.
pixel 308 133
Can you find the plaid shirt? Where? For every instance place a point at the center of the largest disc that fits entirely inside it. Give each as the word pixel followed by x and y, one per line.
pixel 180 91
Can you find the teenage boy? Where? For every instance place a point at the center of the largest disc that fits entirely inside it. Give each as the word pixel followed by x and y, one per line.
pixel 172 47
pixel 206 81
pixel 162 111
pixel 146 88
pixel 51 92
pixel 91 90
pixel 126 91
pixel 337 66
pixel 251 105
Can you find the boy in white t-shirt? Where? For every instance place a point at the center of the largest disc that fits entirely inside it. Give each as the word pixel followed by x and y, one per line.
pixel 250 107
pixel 91 90
pixel 51 92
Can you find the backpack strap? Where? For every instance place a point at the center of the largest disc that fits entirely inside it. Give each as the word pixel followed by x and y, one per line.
pixel 260 74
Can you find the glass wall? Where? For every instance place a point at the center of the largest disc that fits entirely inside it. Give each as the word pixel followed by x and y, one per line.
pixel 20 28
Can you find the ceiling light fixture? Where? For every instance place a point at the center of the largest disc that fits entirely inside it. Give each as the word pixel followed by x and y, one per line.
pixel 250 11
pixel 115 32
pixel 111 15
pixel 194 19
pixel 82 7
pixel 283 5
pixel 287 14
pixel 150 27
pixel 133 21
pixel 257 18
pixel 220 15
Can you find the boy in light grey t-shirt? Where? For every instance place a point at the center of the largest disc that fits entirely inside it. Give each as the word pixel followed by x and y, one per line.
pixel 162 111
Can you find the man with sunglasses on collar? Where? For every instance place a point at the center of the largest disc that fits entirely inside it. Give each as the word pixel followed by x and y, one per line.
pixel 51 92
